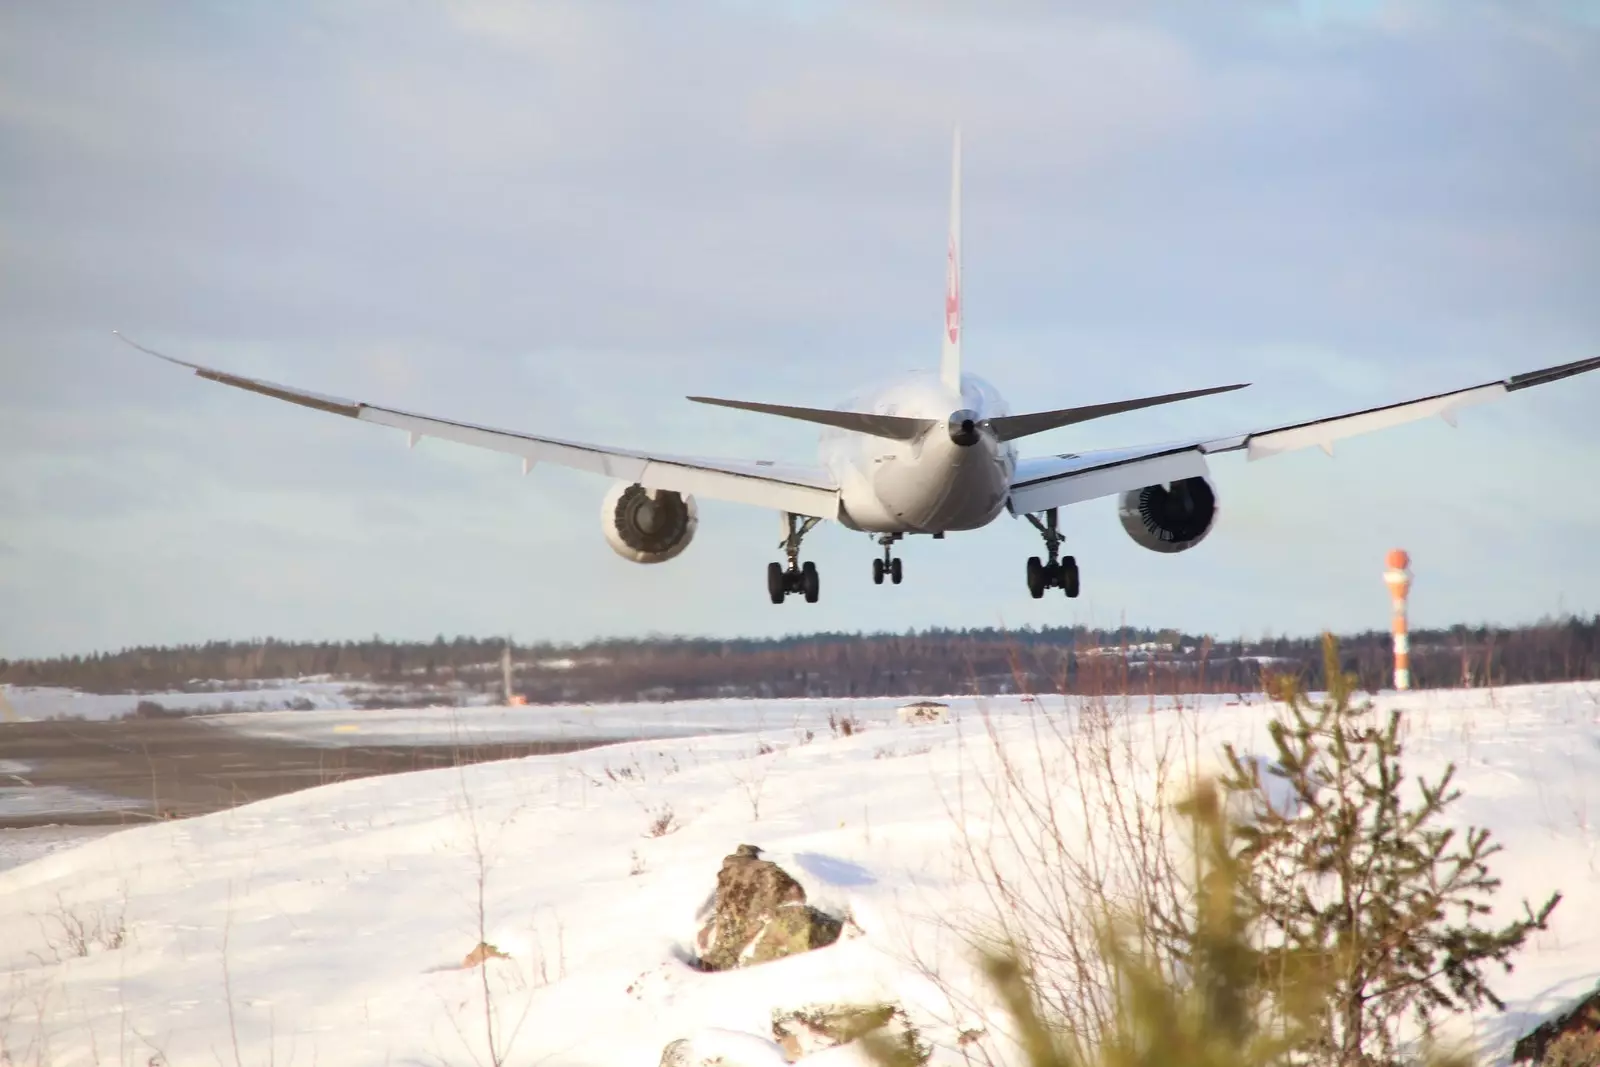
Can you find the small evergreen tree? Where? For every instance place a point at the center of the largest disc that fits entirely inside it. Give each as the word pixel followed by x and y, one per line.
pixel 1218 1007
pixel 1352 867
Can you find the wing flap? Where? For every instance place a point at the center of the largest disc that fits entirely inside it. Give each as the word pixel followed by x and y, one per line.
pixel 1059 481
pixel 1326 431
pixel 1056 481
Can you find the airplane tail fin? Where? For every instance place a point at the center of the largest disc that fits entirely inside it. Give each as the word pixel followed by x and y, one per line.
pixel 950 357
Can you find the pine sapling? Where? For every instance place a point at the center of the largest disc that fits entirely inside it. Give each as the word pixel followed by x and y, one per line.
pixel 1354 867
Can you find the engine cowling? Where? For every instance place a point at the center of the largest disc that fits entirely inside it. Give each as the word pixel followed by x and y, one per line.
pixel 1169 518
pixel 648 525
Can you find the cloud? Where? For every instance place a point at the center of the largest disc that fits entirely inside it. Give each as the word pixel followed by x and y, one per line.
pixel 563 217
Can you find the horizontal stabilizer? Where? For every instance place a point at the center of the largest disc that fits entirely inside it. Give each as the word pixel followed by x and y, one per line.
pixel 894 427
pixel 1011 427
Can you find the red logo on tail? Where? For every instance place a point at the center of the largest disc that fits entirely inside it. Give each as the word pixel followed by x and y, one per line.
pixel 952 298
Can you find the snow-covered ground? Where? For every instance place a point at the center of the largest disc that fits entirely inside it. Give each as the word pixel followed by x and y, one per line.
pixel 53 702
pixel 24 846
pixel 317 693
pixel 533 722
pixel 325 926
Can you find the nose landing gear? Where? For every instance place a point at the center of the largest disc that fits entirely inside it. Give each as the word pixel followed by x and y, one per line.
pixel 795 578
pixel 890 563
pixel 1053 574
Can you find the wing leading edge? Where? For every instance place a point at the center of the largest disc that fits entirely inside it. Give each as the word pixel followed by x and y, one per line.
pixel 801 490
pixel 1057 481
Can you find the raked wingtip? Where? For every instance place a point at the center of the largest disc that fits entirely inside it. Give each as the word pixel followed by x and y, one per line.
pixel 131 343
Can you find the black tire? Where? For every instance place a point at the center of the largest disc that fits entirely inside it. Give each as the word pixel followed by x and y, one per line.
pixel 810 582
pixel 1069 577
pixel 775 582
pixel 894 570
pixel 877 572
pixel 1035 577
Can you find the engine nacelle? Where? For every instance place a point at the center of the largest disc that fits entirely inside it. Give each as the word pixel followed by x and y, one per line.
pixel 1169 518
pixel 648 525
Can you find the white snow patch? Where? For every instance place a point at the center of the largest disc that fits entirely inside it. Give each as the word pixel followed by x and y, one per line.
pixel 52 702
pixel 40 800
pixel 23 846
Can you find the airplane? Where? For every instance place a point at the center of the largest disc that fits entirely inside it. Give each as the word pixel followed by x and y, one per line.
pixel 930 454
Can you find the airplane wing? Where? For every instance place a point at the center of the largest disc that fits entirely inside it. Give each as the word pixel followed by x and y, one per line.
pixel 784 487
pixel 1057 481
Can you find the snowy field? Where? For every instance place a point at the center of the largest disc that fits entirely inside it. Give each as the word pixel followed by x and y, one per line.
pixel 309 694
pixel 327 926
pixel 51 702
pixel 538 722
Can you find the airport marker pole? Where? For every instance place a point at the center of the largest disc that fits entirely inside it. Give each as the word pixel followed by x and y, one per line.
pixel 1398 577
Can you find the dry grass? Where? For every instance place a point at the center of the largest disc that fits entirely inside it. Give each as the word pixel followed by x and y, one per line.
pixel 663 821
pixel 1066 829
pixel 72 931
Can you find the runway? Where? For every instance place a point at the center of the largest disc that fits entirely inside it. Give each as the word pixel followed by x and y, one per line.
pixel 137 770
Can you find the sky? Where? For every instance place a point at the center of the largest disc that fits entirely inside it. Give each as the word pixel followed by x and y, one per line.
pixel 564 217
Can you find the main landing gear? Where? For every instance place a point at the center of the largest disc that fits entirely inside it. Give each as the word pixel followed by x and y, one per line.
pixel 795 578
pixel 890 563
pixel 1061 575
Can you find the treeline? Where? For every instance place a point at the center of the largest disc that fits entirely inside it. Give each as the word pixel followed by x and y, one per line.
pixel 931 662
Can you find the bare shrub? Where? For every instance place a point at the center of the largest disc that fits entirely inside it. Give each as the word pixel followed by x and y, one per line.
pixel 1068 824
pixel 624 773
pixel 499 1034
pixel 663 821
pixel 843 725
pixel 1220 1009
pixel 72 932
pixel 751 782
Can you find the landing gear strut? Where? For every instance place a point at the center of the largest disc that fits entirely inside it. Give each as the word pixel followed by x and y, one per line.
pixel 890 563
pixel 782 581
pixel 1052 574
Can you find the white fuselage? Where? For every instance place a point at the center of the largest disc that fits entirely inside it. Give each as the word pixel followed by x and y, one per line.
pixel 931 484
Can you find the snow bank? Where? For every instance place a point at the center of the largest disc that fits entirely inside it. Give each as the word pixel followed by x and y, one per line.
pixel 51 702
pixel 328 925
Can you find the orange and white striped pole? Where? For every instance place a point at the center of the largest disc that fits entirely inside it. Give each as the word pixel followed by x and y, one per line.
pixel 1398 577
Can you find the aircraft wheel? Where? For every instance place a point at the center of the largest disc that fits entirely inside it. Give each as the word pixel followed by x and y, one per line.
pixel 775 582
pixel 1035 577
pixel 1069 576
pixel 877 572
pixel 810 582
pixel 894 570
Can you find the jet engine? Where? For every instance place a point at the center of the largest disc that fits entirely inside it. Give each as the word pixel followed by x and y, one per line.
pixel 1169 518
pixel 648 525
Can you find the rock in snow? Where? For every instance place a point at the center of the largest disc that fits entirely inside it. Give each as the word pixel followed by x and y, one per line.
pixel 760 914
pixel 925 711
